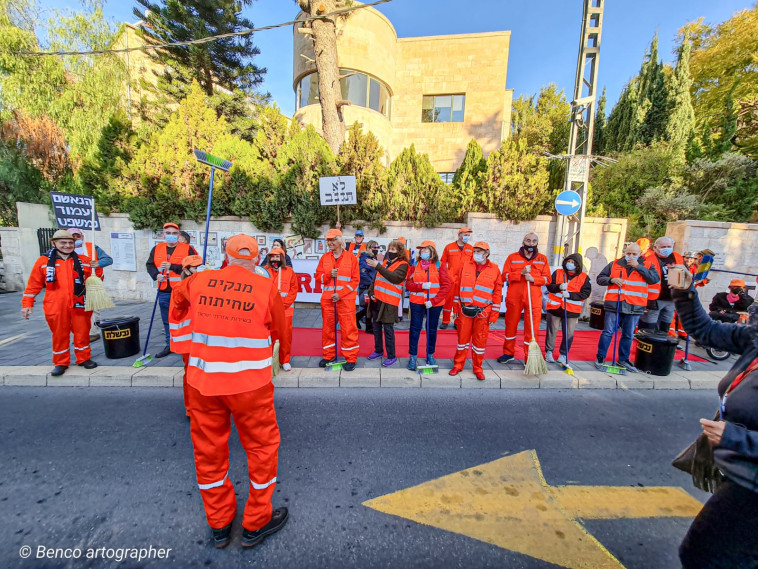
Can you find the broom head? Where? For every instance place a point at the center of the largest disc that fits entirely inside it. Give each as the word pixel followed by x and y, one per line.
pixel 96 298
pixel 275 367
pixel 535 363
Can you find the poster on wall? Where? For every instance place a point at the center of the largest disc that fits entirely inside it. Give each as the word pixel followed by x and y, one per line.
pixel 123 252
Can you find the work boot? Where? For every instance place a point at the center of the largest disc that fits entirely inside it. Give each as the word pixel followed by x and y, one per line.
pixel 89 364
pixel 662 329
pixel 58 370
pixel 600 363
pixel 412 362
pixel 504 359
pixel 278 520
pixel 549 357
pixel 348 366
pixel 222 537
pixel 324 362
pixel 369 329
pixel 430 361
pixel 164 352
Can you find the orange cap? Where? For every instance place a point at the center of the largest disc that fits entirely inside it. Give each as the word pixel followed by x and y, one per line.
pixel 276 251
pixel 464 230
pixel 482 245
pixel 332 233
pixel 426 243
pixel 237 243
pixel 402 240
pixel 643 242
pixel 736 282
pixel 192 261
pixel 170 224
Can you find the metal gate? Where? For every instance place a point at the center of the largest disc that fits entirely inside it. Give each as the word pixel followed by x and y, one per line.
pixel 43 237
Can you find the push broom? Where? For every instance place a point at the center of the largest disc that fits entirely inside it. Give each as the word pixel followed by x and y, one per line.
pixel 535 363
pixel 96 298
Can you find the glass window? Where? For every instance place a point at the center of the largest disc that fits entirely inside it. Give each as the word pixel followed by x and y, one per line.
pixel 443 108
pixel 354 87
pixel 358 88
pixel 378 97
pixel 309 90
pixel 447 177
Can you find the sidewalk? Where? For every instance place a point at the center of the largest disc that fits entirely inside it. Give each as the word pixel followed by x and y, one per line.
pixel 25 359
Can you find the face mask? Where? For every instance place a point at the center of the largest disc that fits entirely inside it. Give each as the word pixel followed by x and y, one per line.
pixel 736 291
pixel 479 258
pixel 570 267
pixel 78 243
pixel 425 256
pixel 172 239
pixel 465 238
pixel 529 248
pixel 276 264
pixel 391 256
pixel 666 251
pixel 630 257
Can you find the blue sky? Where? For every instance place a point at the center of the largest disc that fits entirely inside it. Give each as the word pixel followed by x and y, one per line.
pixel 544 38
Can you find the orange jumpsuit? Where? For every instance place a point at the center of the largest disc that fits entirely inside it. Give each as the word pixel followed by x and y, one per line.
pixel 452 259
pixel 62 318
pixel 346 283
pixel 235 317
pixel 179 332
pixel 516 299
pixel 287 285
pixel 482 289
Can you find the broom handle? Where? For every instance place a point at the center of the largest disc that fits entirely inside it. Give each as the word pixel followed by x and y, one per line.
pixel 529 299
pixel 150 328
pixel 565 329
pixel 336 347
pixel 94 253
pixel 617 325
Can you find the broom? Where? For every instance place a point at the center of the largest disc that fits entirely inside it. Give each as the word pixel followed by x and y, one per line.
pixel 535 363
pixel 96 298
pixel 275 367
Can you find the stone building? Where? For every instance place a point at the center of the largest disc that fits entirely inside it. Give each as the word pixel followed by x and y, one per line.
pixel 436 92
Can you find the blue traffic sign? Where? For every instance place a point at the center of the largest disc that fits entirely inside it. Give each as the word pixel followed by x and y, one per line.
pixel 568 202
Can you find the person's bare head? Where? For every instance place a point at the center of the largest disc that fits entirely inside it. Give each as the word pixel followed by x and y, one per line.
pixel 632 250
pixel 531 240
pixel 663 243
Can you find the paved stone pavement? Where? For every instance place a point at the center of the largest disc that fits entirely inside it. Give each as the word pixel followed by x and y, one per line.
pixel 25 348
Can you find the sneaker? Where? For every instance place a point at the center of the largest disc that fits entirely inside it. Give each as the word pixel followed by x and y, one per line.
pixel 412 362
pixel 324 362
pixel 375 355
pixel 89 364
pixel 504 359
pixel 222 537
pixel 287 367
pixel 561 360
pixel 348 366
pixel 278 520
pixel 164 352
pixel 444 326
pixel 479 375
pixel 454 371
pixel 58 370
pixel 430 361
pixel 389 361
pixel 629 367
pixel 600 363
pixel 549 358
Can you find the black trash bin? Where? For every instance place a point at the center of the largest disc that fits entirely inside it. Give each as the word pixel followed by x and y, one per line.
pixel 597 316
pixel 120 336
pixel 655 353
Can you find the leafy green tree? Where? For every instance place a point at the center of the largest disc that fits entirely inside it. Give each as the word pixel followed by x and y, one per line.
pixel 20 181
pixel 659 205
pixel 467 181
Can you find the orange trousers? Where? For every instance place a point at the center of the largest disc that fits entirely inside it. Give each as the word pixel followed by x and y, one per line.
pixel 513 308
pixel 285 342
pixel 62 324
pixel 210 426
pixel 349 330
pixel 450 306
pixel 472 332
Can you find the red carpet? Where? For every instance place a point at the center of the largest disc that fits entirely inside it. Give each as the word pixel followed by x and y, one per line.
pixel 307 342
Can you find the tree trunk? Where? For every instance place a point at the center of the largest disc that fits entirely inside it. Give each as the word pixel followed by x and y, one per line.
pixel 325 49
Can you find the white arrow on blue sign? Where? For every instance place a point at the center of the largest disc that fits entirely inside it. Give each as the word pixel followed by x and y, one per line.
pixel 568 202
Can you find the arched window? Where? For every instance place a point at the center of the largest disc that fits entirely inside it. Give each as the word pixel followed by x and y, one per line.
pixel 360 89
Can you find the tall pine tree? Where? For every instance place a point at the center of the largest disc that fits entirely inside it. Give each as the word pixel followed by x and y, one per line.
pixel 653 95
pixel 601 122
pixel 680 129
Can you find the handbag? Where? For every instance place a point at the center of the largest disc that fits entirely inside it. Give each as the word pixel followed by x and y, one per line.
pixel 697 460
pixel 471 311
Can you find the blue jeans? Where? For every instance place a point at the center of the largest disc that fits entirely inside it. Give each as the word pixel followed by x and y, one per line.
pixel 418 313
pixel 628 324
pixel 164 300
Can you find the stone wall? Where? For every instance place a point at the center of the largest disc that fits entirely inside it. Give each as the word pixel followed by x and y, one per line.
pixel 11 272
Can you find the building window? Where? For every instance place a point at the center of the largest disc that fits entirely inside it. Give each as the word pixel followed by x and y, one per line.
pixel 443 108
pixel 447 177
pixel 360 89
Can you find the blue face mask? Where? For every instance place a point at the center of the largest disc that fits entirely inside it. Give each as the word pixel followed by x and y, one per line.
pixel 172 239
pixel 425 256
pixel 570 267
pixel 78 243
pixel 465 238
pixel 666 251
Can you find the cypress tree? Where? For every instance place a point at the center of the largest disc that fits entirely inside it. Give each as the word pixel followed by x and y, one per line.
pixel 680 129
pixel 601 122
pixel 653 95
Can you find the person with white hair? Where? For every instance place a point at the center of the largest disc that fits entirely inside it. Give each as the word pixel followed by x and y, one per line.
pixel 660 307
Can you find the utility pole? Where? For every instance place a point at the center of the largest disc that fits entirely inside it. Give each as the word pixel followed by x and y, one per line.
pixel 582 125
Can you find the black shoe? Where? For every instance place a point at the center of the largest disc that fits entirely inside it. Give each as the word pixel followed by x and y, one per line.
pixel 629 366
pixel 164 352
pixel 58 370
pixel 349 366
pixel 252 538
pixel 504 359
pixel 600 363
pixel 222 537
pixel 89 364
pixel 370 330
pixel 323 362
pixel 444 326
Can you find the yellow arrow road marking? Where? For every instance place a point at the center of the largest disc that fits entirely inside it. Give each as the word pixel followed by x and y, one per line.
pixel 509 504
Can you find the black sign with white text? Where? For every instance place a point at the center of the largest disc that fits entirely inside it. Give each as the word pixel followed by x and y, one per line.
pixel 73 210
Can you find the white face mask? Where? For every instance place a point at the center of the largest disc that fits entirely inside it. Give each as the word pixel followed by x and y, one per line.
pixel 479 258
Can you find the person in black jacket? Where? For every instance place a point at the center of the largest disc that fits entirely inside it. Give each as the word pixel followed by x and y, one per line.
pixel 726 306
pixel 724 532
pixel 367 277
pixel 561 292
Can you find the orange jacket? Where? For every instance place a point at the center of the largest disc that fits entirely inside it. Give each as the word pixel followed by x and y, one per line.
pixel 286 283
pixel 484 289
pixel 555 301
pixel 235 315
pixel 59 295
pixel 348 277
pixel 540 270
pixel 386 291
pixel 635 290
pixel 352 249
pixel 179 321
pixel 453 258
pixel 655 262
pixel 161 255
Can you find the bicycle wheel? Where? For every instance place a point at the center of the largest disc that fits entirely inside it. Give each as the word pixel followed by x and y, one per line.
pixel 718 355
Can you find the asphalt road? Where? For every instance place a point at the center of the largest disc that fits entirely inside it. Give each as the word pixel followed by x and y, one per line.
pixel 112 468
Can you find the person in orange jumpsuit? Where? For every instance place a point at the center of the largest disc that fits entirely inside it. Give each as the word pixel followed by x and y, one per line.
pixel 236 315
pixel 177 327
pixel 526 271
pixel 339 274
pixel 286 283
pixel 62 274
pixel 454 255
pixel 480 289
